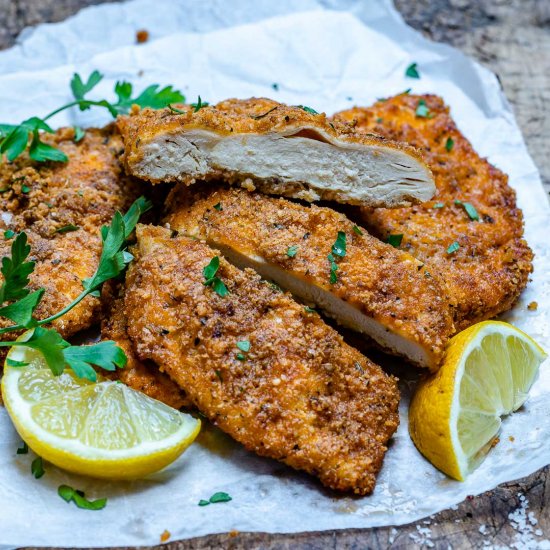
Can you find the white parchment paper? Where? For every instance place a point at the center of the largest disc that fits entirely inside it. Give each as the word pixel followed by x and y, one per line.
pixel 328 55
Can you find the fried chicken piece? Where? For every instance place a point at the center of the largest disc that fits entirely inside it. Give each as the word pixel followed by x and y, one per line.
pixel 490 269
pixel 380 291
pixel 61 207
pixel 275 148
pixel 143 376
pixel 260 366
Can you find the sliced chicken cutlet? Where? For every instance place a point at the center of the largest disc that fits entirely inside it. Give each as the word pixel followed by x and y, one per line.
pixel 473 207
pixel 257 364
pixel 277 149
pixel 377 290
pixel 61 207
pixel 143 376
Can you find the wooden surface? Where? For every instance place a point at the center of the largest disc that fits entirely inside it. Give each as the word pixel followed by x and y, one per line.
pixel 512 38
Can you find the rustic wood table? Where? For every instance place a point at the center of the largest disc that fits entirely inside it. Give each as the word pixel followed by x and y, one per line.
pixel 512 38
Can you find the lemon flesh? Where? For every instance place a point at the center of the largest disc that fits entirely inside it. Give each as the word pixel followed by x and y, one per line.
pixel 102 429
pixel 455 414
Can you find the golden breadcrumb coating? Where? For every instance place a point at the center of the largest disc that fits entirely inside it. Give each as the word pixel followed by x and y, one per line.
pixel 278 149
pixel 490 269
pixel 143 376
pixel 383 283
pixel 296 393
pixel 46 199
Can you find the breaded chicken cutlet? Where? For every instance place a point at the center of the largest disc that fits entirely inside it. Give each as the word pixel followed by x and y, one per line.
pixel 143 376
pixel 376 289
pixel 61 207
pixel 492 263
pixel 276 148
pixel 257 364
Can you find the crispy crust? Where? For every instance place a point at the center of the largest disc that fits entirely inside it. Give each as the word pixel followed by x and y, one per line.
pixel 385 284
pixel 491 268
pixel 143 376
pixel 258 116
pixel 85 192
pixel 301 395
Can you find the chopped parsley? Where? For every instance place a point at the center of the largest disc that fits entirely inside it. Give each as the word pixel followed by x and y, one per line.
pixel 23 450
pixel 67 228
pixel 338 251
pixel 395 240
pixel 244 345
pixel 422 109
pixel 439 205
pixel 25 189
pixel 199 105
pixel 470 209
pixel 307 109
pixel 175 110
pixel 69 494
pixel 79 133
pixel 310 309
pixel 292 250
pixel 357 230
pixel 215 498
pixel 412 71
pixel 241 356
pixel 453 248
pixel 209 272
pixel 37 467
pixel 218 207
pixel 9 234
pixel 449 144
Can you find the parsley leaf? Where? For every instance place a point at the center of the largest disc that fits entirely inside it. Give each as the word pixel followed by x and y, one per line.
pixel 151 97
pixel 439 205
pixel 41 152
pixel 453 248
pixel 21 312
pixel 470 209
pixel 241 356
pixel 106 355
pixel 79 134
pixel 338 250
pixel 209 272
pixel 9 234
pixel 244 345
pixel 23 450
pixel 37 467
pixel 80 88
pixel 199 105
pixel 69 494
pixel 307 109
pixel 292 250
pixel 218 207
pixel 449 144
pixel 16 270
pixel 16 364
pixel 412 71
pixel 395 240
pixel 357 230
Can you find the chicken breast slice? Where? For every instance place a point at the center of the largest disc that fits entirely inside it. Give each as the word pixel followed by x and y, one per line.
pixel 259 365
pixel 379 291
pixel 276 149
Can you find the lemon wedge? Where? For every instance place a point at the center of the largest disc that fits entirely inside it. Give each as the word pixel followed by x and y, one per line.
pixel 103 429
pixel 455 414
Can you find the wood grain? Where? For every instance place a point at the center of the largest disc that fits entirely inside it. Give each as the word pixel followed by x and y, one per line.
pixel 512 38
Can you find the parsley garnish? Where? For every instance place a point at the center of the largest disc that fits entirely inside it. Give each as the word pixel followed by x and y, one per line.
pixel 37 467
pixel 412 71
pixel 23 450
pixel 9 234
pixel 218 207
pixel 67 228
pixel 292 250
pixel 79 134
pixel 310 309
pixel 338 250
pixel 25 189
pixel 449 144
pixel 215 498
pixel 470 209
pixel 209 272
pixel 422 109
pixel 241 356
pixel 57 352
pixel 14 139
pixel 175 110
pixel 439 205
pixel 244 345
pixel 307 109
pixel 453 248
pixel 69 494
pixel 357 230
pixel 199 105
pixel 395 240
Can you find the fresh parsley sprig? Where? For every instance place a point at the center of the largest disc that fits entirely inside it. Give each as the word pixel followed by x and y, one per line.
pixel 14 139
pixel 57 352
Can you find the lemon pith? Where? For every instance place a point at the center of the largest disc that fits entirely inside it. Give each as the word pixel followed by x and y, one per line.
pixel 102 429
pixel 455 414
